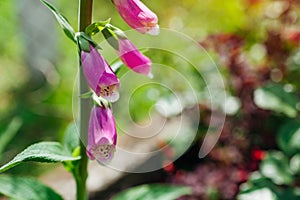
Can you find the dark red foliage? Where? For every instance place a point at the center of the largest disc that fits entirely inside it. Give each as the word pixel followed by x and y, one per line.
pixel 239 149
pixel 208 178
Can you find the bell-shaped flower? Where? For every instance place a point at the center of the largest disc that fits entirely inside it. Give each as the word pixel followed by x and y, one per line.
pixel 138 16
pixel 102 134
pixel 133 58
pixel 99 75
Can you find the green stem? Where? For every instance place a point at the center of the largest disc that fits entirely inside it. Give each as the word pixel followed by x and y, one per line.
pixel 85 18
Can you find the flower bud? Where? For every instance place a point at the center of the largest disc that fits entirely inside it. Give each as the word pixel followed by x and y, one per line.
pixel 133 58
pixel 138 16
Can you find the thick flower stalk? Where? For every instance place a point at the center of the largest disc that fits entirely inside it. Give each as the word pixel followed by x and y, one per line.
pixel 133 58
pixel 102 135
pixel 138 16
pixel 99 75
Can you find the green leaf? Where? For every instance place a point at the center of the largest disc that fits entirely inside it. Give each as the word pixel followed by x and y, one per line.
pixel 153 191
pixel 258 187
pixel 111 38
pixel 295 164
pixel 84 41
pixel 96 27
pixel 288 193
pixel 71 138
pixel 20 188
pixel 9 133
pixel 83 44
pixel 71 143
pixel 118 32
pixel 263 193
pixel 63 22
pixel 112 34
pixel 274 97
pixel 257 181
pixel 276 167
pixel 86 95
pixel 288 137
pixel 50 152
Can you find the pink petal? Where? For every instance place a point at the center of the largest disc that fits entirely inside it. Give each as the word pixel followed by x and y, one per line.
pixel 137 15
pixel 99 75
pixel 102 135
pixel 133 58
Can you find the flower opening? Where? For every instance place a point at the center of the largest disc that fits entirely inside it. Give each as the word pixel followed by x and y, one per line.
pixel 102 135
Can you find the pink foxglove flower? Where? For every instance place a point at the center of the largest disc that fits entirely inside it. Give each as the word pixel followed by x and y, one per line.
pixel 99 75
pixel 133 58
pixel 138 16
pixel 102 135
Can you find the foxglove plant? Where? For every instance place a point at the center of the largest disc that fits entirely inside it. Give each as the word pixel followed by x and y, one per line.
pixel 138 16
pixel 96 75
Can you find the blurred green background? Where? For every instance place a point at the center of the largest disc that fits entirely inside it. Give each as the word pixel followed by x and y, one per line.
pixel 39 65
